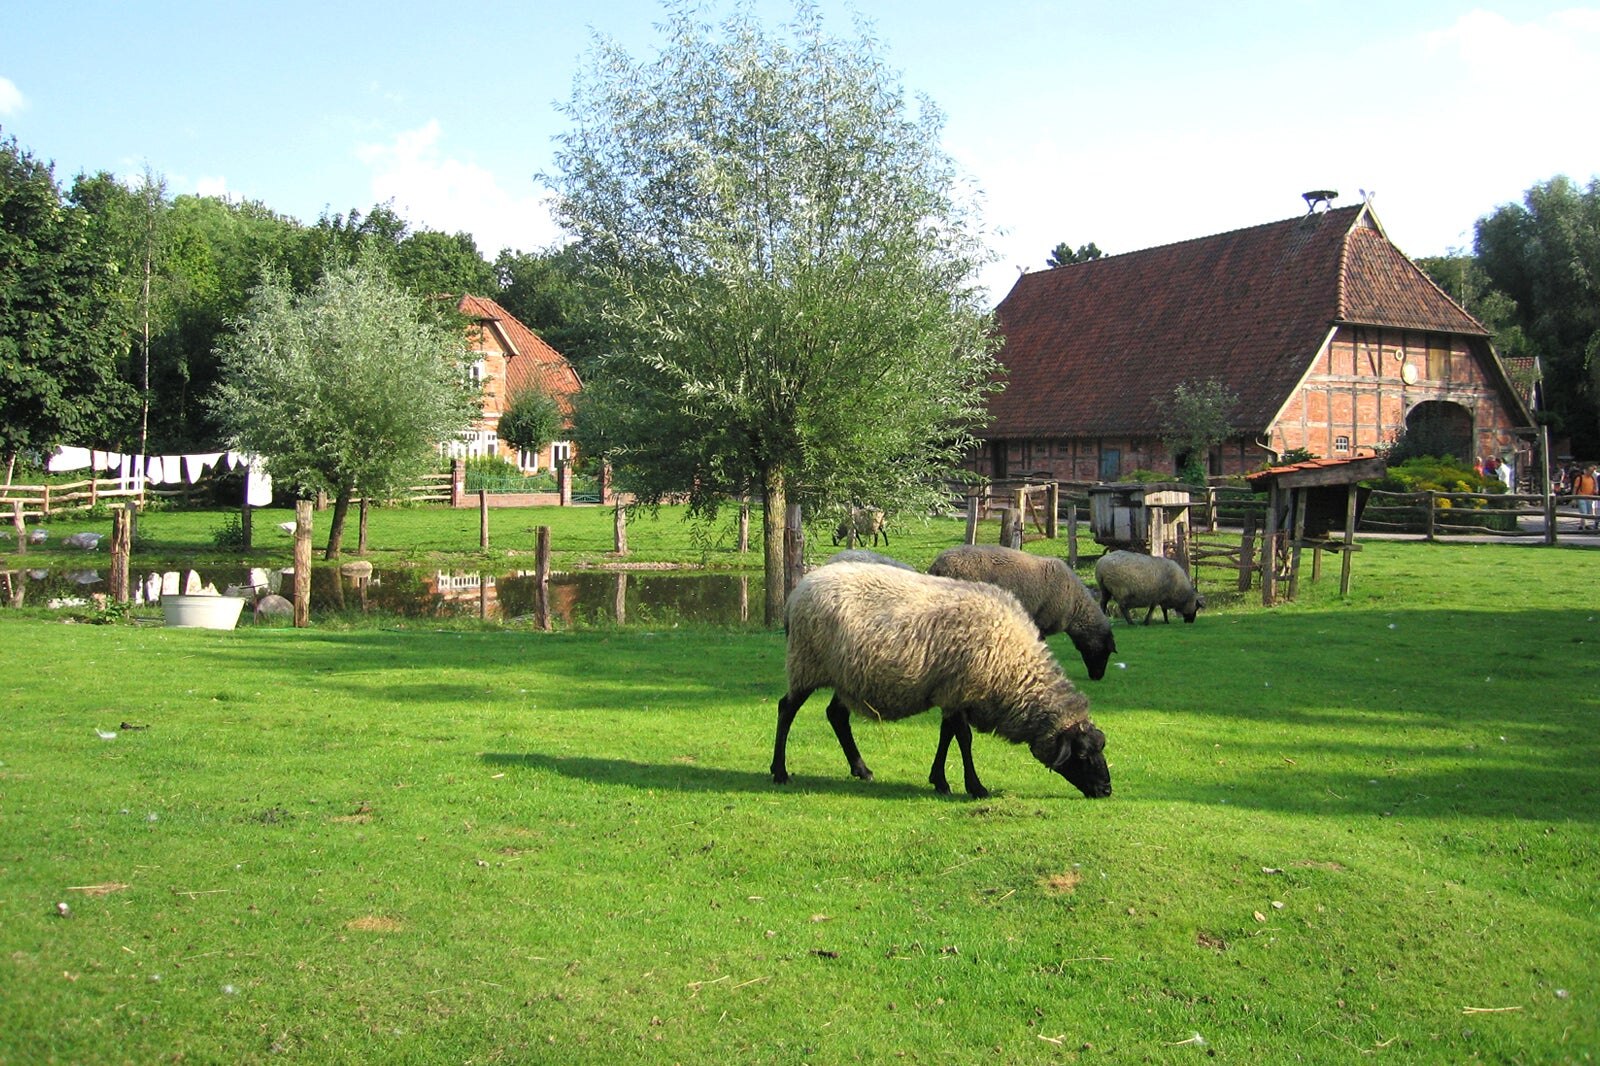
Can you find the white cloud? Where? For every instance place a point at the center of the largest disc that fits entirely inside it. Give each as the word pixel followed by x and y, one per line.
pixel 433 191
pixel 11 100
pixel 208 186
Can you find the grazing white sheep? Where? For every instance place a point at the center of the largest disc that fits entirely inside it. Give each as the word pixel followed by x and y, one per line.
pixel 860 524
pixel 892 643
pixel 87 541
pixel 1132 579
pixel 1048 590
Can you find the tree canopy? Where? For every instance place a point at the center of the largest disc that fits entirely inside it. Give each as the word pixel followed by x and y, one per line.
pixel 63 331
pixel 1195 419
pixel 1062 254
pixel 792 263
pixel 350 386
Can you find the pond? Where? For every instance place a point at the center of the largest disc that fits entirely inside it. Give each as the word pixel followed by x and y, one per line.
pixel 587 596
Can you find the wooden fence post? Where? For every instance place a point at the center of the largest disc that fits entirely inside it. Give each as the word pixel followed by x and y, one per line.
pixel 620 600
pixel 972 519
pixel 1052 520
pixel 302 563
pixel 21 525
pixel 1072 535
pixel 744 525
pixel 1430 500
pixel 541 579
pixel 1269 550
pixel 1247 551
pixel 361 538
pixel 483 519
pixel 245 532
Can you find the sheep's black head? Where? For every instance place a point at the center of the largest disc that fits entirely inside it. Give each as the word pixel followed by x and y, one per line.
pixel 1096 649
pixel 1080 758
pixel 1195 603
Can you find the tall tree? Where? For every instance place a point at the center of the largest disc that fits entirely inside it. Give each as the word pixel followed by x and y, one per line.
pixel 1062 254
pixel 1194 419
pixel 430 263
pixel 1544 254
pixel 793 264
pixel 62 329
pixel 348 387
pixel 559 295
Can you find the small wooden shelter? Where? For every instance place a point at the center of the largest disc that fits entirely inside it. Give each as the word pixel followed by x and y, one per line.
pixel 1142 516
pixel 1306 503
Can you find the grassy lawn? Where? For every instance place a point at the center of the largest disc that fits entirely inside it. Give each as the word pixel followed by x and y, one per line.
pixel 1342 831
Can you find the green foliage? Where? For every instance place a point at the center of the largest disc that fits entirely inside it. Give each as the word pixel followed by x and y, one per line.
pixel 62 329
pixel 560 295
pixel 793 272
pixel 230 534
pixel 531 420
pixel 1425 473
pixel 1062 254
pixel 1195 419
pixel 430 263
pixel 1544 256
pixel 351 385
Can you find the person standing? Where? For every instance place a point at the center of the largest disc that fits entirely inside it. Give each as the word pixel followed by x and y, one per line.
pixel 1585 486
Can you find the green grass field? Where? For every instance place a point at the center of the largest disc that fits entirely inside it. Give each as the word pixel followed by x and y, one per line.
pixel 1343 831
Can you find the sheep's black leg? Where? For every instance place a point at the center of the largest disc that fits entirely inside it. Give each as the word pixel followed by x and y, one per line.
pixel 1126 617
pixel 788 707
pixel 1148 613
pixel 969 772
pixel 839 718
pixel 936 778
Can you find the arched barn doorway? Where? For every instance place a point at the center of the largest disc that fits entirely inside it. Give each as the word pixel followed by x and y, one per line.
pixel 1439 427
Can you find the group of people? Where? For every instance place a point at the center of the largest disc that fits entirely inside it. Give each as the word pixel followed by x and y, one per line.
pixel 1583 481
pixel 1499 469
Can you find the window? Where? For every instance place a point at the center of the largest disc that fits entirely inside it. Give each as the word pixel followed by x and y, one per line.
pixel 476 371
pixel 1438 362
pixel 1341 443
pixel 561 451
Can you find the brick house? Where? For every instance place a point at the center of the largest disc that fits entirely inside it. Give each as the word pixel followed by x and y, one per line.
pixel 511 358
pixel 1329 336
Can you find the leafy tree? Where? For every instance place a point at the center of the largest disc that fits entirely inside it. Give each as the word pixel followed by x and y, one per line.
pixel 62 329
pixel 1062 254
pixel 430 263
pixel 1195 419
pixel 531 420
pixel 792 268
pixel 559 295
pixel 1544 255
pixel 348 387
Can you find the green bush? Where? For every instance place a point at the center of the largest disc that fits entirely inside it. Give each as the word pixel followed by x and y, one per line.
pixel 1432 473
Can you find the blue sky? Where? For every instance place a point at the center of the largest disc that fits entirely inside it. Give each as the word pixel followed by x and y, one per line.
pixel 1127 124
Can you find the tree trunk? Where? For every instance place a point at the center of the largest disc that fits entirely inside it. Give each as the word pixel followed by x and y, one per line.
pixel 773 510
pixel 341 507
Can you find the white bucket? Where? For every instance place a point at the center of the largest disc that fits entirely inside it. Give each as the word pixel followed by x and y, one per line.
pixel 202 612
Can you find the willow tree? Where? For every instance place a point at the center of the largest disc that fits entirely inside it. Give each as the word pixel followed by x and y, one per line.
pixel 349 387
pixel 792 262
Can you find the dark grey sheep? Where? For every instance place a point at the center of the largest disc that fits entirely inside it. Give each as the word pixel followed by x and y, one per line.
pixel 1132 580
pixel 1048 590
pixel 892 643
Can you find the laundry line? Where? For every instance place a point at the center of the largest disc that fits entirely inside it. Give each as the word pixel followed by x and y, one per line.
pixel 135 471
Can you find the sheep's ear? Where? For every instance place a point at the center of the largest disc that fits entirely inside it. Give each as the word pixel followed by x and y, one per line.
pixel 1081 739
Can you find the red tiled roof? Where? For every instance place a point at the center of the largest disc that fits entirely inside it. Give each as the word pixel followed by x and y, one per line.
pixel 1094 348
pixel 531 363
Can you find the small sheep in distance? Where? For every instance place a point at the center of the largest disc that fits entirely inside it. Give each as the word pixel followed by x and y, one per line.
pixel 860 524
pixel 1047 589
pixel 892 643
pixel 1132 579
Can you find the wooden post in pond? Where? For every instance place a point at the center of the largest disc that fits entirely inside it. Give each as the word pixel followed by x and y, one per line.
pixel 619 528
pixel 121 550
pixel 619 602
pixel 21 525
pixel 483 519
pixel 541 579
pixel 302 563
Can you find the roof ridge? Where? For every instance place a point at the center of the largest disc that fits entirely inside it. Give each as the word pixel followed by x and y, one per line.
pixel 1354 208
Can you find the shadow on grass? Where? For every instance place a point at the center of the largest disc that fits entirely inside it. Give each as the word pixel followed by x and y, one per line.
pixel 687 777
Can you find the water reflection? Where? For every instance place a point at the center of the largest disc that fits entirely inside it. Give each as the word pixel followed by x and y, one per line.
pixel 584 597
